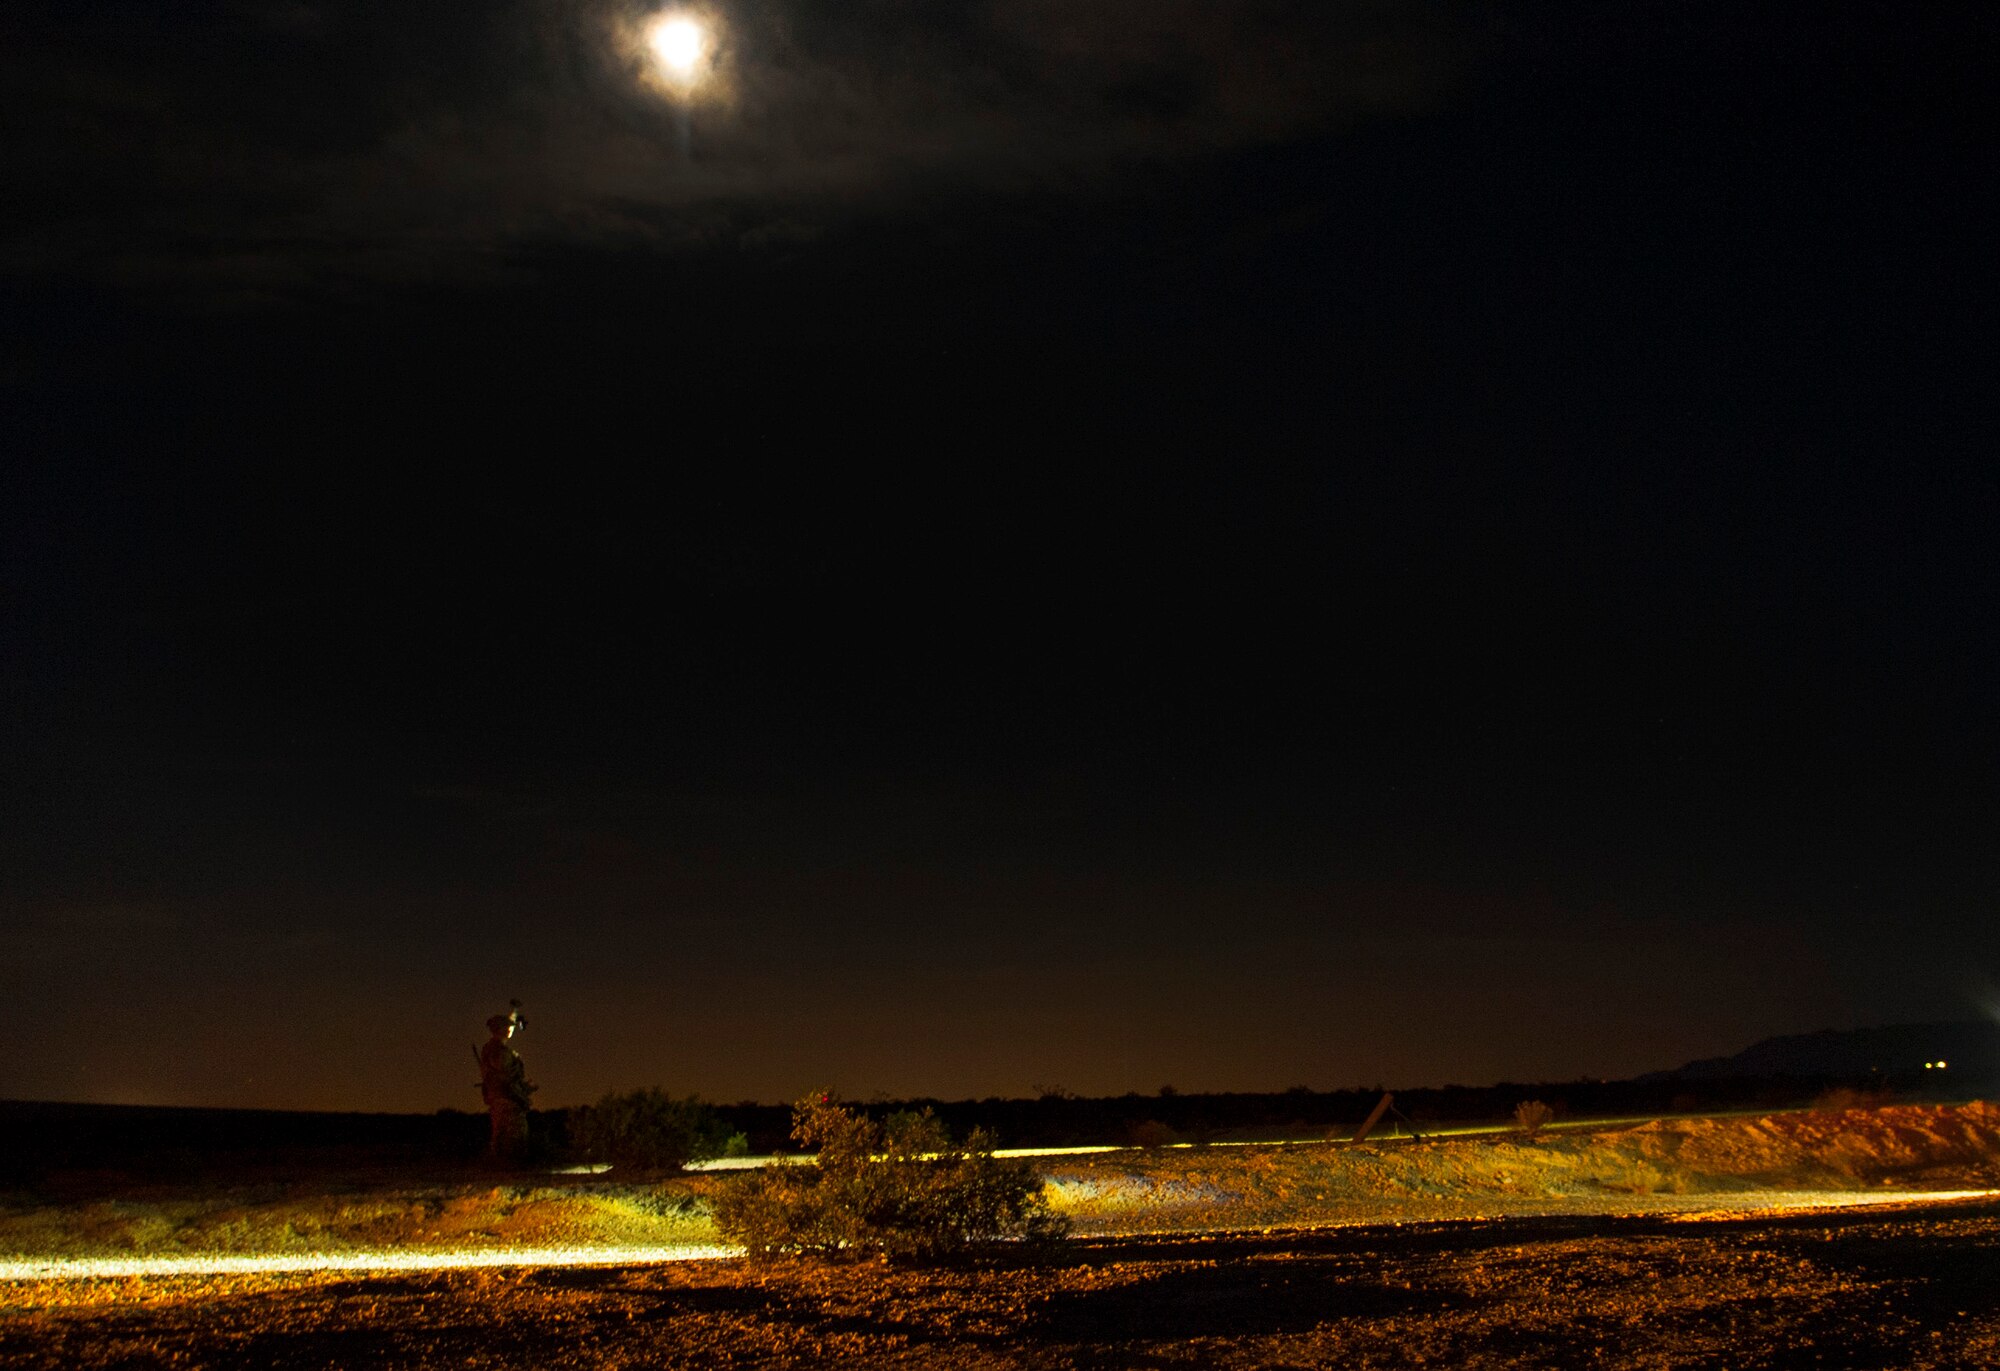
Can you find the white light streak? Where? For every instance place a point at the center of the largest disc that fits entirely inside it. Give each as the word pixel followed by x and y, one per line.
pixel 83 1268
pixel 807 1158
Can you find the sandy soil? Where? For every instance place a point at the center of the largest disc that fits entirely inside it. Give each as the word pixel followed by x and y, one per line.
pixel 1663 1166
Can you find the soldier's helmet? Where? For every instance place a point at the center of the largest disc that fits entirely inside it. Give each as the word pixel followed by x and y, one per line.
pixel 511 1019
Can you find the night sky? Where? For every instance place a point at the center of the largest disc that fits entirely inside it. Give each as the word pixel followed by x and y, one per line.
pixel 1001 544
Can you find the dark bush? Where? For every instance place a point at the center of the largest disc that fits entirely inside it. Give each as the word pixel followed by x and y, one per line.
pixel 1530 1116
pixel 648 1130
pixel 900 1188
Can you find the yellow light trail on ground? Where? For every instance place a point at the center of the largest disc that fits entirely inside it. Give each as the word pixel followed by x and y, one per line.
pixel 1428 1134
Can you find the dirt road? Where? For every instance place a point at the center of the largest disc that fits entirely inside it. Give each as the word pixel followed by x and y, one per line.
pixel 1909 1287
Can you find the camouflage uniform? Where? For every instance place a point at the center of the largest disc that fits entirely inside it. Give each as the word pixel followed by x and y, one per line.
pixel 503 1082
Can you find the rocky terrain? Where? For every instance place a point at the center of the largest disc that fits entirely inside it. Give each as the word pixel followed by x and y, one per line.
pixel 1677 1243
pixel 1901 1288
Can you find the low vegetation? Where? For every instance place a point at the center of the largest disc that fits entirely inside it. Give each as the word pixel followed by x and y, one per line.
pixel 651 1130
pixel 900 1188
pixel 1530 1116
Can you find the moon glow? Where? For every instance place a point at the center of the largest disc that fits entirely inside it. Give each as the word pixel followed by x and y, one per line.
pixel 679 44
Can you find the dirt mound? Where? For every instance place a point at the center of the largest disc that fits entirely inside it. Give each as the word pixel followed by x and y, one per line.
pixel 1914 1147
pixel 1858 1147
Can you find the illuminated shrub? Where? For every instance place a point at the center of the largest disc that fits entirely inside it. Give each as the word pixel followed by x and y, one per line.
pixel 900 1188
pixel 649 1130
pixel 1530 1116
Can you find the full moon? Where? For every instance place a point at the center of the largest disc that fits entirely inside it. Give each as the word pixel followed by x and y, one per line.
pixel 679 43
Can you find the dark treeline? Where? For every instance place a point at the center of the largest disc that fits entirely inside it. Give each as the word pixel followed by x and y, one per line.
pixel 39 1138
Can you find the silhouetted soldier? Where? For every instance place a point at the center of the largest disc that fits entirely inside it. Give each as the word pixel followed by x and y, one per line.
pixel 503 1081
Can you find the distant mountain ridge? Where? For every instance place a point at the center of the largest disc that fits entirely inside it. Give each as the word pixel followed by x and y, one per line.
pixel 1970 1051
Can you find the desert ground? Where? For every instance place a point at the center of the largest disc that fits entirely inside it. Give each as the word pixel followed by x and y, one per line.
pixel 1838 1238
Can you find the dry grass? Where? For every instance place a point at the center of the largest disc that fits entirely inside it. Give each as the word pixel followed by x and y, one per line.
pixel 1914 1147
pixel 443 1214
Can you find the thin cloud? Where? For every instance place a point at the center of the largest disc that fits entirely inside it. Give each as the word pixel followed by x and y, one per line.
pixel 264 148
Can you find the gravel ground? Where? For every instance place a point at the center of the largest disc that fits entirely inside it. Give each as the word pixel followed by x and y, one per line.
pixel 1905 1287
